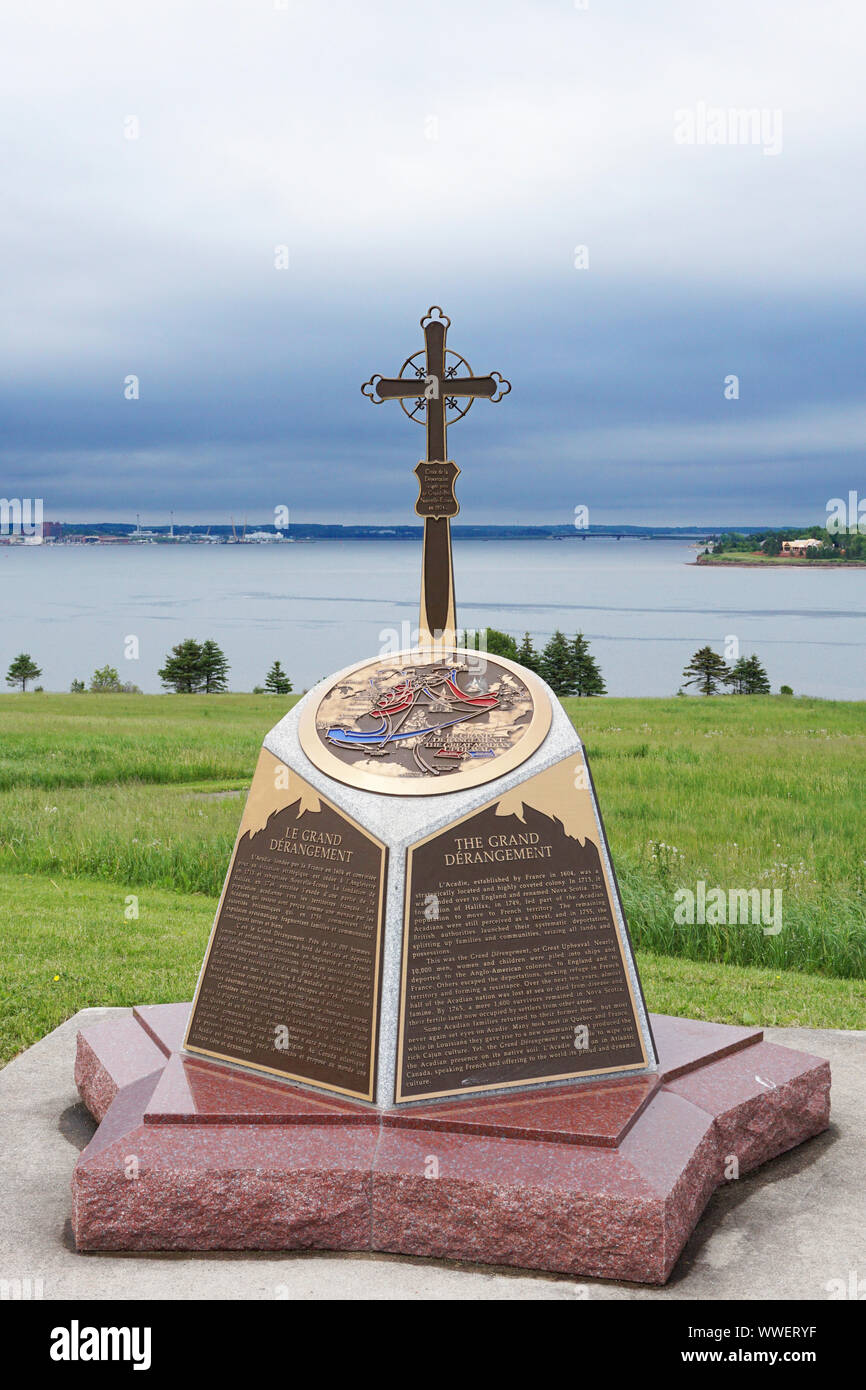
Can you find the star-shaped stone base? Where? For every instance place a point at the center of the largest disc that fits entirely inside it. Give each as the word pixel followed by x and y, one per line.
pixel 603 1180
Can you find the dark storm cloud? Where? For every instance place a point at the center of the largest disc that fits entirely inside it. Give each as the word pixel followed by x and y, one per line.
pixel 393 185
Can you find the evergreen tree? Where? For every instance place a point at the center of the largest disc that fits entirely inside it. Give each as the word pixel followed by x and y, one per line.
pixel 748 677
pixel 736 677
pixel 276 681
pixel 214 668
pixel 22 670
pixel 527 655
pixel 588 678
pixel 707 671
pixel 182 670
pixel 756 679
pixel 556 665
pixel 78 687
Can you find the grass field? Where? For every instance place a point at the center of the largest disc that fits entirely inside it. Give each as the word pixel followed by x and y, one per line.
pixel 105 797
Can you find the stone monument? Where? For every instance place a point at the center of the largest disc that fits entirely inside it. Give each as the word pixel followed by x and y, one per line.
pixel 421 902
pixel 419 1025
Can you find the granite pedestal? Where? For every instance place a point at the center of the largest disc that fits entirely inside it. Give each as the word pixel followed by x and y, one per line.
pixel 598 1179
pixel 595 1163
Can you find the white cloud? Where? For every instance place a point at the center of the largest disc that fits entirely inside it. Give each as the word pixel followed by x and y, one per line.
pixel 308 125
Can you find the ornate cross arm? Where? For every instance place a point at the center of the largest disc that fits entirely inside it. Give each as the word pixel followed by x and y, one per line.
pixel 399 388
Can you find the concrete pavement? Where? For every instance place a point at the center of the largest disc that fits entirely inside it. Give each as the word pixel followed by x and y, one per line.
pixel 787 1231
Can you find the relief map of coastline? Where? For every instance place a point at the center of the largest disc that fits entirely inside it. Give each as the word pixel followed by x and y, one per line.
pixel 431 719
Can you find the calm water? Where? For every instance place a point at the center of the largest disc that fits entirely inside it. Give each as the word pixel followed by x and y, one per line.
pixel 318 607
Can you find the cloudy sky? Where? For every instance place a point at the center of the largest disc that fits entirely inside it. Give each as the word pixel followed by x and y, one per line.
pixel 414 154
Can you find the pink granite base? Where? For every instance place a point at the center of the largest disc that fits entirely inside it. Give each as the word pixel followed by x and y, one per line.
pixel 604 1180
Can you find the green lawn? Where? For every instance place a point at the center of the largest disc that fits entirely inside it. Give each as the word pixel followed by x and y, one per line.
pixel 740 792
pixel 88 740
pixel 103 797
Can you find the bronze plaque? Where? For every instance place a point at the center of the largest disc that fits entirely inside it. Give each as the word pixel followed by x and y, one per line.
pixel 436 489
pixel 514 965
pixel 426 721
pixel 290 983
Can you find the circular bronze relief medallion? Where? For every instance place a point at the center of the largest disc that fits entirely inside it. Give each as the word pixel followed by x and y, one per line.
pixel 422 722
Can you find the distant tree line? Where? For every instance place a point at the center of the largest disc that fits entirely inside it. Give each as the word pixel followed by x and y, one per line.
pixel 570 669
pixel 711 674
pixel 190 668
pixel 193 668
pixel 568 666
pixel 565 663
pixel 835 545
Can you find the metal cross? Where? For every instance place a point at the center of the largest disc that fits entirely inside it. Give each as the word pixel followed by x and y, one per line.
pixel 436 387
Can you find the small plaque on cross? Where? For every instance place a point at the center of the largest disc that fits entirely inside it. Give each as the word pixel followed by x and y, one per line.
pixel 436 489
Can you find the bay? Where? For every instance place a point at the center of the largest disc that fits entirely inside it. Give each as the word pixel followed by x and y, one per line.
pixel 317 607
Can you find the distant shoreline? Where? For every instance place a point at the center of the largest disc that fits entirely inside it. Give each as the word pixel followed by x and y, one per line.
pixel 778 562
pixel 95 542
pixel 55 532
pixel 304 536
